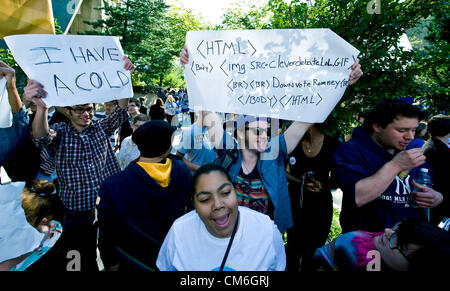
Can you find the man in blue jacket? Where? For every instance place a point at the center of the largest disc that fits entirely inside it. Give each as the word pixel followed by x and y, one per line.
pixel 372 169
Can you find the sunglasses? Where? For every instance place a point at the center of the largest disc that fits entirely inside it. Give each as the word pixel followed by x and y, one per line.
pixel 258 130
pixel 394 243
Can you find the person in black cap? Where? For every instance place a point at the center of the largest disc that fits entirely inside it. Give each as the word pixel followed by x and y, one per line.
pixel 137 206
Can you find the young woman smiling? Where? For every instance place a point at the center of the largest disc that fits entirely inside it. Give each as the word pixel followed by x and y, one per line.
pixel 219 234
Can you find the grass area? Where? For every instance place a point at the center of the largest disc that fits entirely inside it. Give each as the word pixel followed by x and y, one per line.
pixel 335 229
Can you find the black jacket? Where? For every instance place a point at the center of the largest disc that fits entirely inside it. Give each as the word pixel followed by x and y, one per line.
pixel 135 213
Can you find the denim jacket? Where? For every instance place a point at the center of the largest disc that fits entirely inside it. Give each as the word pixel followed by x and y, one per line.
pixel 271 167
pixel 12 137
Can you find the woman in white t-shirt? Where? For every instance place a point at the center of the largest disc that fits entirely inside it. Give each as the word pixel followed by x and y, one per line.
pixel 219 234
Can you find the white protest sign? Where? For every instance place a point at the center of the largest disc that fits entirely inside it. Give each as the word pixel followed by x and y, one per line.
pixel 17 236
pixel 293 74
pixel 74 69
pixel 5 108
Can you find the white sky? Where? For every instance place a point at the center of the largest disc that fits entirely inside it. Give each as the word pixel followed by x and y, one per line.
pixel 211 10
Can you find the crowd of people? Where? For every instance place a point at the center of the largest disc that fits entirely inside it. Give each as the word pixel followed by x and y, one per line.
pixel 222 197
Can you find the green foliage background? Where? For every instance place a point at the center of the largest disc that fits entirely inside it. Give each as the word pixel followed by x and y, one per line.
pixel 152 34
pixel 390 71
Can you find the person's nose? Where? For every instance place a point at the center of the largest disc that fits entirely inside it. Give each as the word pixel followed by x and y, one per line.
pixel 388 233
pixel 409 135
pixel 218 203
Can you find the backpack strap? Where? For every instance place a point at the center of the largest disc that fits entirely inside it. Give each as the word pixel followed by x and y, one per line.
pixel 227 157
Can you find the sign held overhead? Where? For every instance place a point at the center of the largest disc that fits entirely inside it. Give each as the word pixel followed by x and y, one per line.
pixel 294 74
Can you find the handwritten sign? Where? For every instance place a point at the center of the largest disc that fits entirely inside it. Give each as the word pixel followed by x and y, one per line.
pixel 293 74
pixel 74 69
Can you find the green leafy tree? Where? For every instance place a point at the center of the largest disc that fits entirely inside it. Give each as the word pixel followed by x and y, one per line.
pixel 432 59
pixel 243 16
pixel 390 71
pixel 142 26
pixel 180 20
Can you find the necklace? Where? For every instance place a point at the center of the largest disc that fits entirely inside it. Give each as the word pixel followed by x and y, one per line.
pixel 310 146
pixel 246 169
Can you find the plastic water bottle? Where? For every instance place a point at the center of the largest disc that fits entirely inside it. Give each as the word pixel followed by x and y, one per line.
pixel 423 179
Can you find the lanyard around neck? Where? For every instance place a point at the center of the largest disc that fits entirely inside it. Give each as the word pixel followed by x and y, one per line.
pixel 229 244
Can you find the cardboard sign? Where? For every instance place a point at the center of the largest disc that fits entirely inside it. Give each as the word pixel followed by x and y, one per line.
pixel 74 69
pixel 293 74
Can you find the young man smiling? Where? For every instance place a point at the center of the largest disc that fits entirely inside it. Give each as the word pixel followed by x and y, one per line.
pixel 373 170
pixel 84 158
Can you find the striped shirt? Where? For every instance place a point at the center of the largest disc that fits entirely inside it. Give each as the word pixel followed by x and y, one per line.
pixel 84 159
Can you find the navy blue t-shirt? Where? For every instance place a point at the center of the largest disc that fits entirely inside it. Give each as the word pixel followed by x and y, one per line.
pixel 360 158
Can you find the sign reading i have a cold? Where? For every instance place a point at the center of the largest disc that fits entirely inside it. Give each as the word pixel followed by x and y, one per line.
pixel 74 69
pixel 293 74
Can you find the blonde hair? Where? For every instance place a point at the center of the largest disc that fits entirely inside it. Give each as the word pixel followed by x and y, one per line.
pixel 170 97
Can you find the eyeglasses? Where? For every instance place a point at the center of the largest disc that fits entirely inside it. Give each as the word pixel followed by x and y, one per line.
pixel 394 244
pixel 89 110
pixel 259 131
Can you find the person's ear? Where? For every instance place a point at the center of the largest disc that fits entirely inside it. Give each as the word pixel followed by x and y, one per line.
pixel 240 132
pixel 67 112
pixel 43 225
pixel 376 127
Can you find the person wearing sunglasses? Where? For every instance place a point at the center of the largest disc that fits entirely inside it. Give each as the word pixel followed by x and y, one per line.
pixel 219 235
pixel 410 245
pixel 83 159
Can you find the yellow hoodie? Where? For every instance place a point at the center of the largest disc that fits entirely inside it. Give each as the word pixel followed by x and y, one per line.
pixel 159 172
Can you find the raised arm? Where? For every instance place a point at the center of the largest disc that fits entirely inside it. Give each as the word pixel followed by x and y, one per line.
pixel 123 103
pixel 370 188
pixel 34 92
pixel 295 133
pixel 13 96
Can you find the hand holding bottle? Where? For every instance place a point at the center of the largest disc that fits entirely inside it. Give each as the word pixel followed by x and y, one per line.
pixel 426 197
